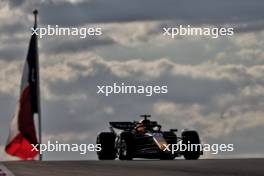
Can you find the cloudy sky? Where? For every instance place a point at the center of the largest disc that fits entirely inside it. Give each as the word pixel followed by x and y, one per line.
pixel 215 86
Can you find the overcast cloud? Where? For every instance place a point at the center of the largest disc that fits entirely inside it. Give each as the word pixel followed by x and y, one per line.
pixel 215 86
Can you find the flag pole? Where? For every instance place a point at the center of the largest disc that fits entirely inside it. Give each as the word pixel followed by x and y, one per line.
pixel 35 12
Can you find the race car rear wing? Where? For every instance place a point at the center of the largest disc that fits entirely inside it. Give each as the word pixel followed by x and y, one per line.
pixel 130 125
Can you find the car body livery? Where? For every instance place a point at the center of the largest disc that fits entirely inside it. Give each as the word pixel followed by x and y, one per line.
pixel 144 139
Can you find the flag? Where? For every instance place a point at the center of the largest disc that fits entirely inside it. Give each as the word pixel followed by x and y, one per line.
pixel 22 131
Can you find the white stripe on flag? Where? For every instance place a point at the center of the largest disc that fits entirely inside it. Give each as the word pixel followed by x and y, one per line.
pixel 14 131
pixel 4 171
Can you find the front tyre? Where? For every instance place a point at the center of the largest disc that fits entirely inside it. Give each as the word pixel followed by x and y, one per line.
pixel 190 138
pixel 107 142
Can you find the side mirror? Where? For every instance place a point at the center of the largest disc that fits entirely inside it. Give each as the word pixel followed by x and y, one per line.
pixel 173 130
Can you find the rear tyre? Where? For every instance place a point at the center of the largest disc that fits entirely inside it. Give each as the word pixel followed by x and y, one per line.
pixel 191 137
pixel 126 146
pixel 107 142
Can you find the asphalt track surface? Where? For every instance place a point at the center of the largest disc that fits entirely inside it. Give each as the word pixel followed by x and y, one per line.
pixel 230 167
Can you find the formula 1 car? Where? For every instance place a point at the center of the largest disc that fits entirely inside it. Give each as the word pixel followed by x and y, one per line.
pixel 145 139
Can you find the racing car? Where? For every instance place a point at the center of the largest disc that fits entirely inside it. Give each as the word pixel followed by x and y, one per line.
pixel 145 139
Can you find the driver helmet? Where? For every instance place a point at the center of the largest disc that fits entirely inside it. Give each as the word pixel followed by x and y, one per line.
pixel 144 122
pixel 142 125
